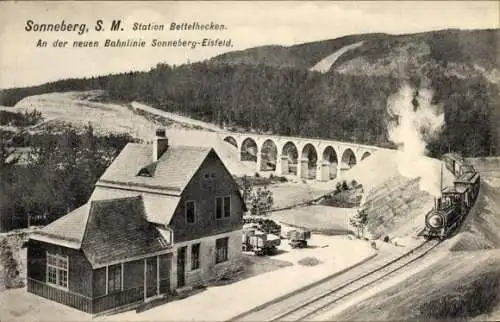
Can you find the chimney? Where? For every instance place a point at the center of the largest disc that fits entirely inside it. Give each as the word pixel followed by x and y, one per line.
pixel 160 144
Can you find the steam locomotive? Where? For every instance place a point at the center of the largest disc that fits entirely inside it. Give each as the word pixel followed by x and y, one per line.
pixel 455 202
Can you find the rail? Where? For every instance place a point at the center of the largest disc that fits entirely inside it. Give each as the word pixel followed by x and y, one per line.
pixel 331 289
pixel 323 302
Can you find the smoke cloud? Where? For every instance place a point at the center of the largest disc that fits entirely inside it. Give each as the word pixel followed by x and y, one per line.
pixel 414 122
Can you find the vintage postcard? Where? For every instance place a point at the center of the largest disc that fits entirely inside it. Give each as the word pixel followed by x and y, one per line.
pixel 249 160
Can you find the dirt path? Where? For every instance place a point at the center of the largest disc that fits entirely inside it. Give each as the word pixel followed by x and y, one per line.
pixel 326 63
pixel 175 117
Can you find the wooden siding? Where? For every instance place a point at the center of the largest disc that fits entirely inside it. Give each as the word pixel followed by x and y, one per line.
pixel 133 287
pixel 204 191
pixel 115 300
pixel 79 273
pixel 84 303
pixel 77 301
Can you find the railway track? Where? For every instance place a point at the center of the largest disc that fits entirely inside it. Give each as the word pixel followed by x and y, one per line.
pixel 321 298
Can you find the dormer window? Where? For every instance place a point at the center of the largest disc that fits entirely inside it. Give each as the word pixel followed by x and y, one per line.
pixel 148 171
pixel 144 173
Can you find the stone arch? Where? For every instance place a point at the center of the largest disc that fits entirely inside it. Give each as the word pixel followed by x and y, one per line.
pixel 249 150
pixel 231 140
pixel 289 158
pixel 365 155
pixel 269 155
pixel 330 163
pixel 309 161
pixel 348 159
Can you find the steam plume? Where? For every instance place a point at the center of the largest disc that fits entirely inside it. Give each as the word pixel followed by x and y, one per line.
pixel 414 122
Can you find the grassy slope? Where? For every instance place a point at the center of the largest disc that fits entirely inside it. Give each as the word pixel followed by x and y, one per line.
pixel 462 286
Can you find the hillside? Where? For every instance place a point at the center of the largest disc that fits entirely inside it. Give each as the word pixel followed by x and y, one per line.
pixel 303 56
pixel 82 108
pixel 463 52
pixel 397 202
pixel 463 284
pixel 252 89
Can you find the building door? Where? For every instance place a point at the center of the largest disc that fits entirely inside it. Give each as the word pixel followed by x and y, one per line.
pixel 181 266
pixel 165 269
pixel 151 284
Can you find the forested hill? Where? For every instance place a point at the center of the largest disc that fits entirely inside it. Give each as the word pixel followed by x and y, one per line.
pixel 460 48
pixel 276 89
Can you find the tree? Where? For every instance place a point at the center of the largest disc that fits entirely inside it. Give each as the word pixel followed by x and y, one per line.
pixel 246 186
pixel 261 201
pixel 258 201
pixel 359 221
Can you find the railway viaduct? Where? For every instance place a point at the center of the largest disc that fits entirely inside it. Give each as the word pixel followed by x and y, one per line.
pixel 306 158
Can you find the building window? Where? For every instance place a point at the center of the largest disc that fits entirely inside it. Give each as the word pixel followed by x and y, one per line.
pixel 190 209
pixel 222 207
pixel 227 206
pixel 114 278
pixel 57 270
pixel 195 256
pixel 218 207
pixel 221 250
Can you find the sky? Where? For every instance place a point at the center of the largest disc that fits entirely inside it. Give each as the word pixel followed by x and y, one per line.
pixel 249 24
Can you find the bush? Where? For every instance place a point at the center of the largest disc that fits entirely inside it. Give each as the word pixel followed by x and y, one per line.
pixel 20 119
pixel 257 175
pixel 309 261
pixel 354 183
pixel 344 185
pixel 338 187
pixel 386 239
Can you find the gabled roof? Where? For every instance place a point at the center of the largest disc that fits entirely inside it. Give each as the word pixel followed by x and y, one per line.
pixel 171 172
pixel 127 214
pixel 107 231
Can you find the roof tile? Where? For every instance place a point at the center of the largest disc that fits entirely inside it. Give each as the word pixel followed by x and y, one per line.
pixel 117 229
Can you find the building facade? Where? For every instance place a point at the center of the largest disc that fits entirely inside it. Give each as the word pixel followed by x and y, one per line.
pixel 161 218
